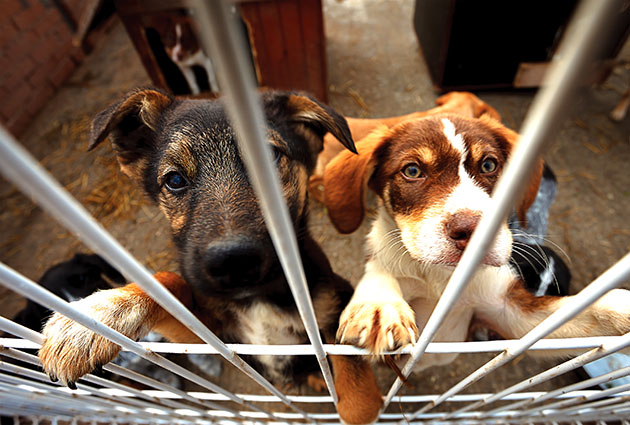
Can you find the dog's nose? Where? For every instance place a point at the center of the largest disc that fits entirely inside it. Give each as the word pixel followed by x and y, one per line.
pixel 234 263
pixel 460 226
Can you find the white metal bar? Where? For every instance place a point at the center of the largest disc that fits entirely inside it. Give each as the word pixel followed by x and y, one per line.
pixel 37 339
pixel 611 413
pixel 69 406
pixel 123 390
pixel 348 350
pixel 327 399
pixel 611 376
pixel 541 410
pixel 608 280
pixel 79 400
pixel 227 49
pixel 19 167
pixel 29 289
pixel 92 392
pixel 581 360
pixel 577 52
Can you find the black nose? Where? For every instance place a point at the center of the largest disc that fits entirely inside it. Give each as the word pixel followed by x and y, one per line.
pixel 460 226
pixel 234 263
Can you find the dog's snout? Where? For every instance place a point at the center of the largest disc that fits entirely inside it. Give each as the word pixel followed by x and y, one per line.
pixel 234 263
pixel 460 226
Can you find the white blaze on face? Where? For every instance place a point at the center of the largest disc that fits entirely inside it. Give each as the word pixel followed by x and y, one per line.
pixel 178 45
pixel 426 239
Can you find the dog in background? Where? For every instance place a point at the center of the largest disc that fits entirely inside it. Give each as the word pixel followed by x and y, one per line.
pixel 183 48
pixel 71 280
pixel 433 176
pixel 183 153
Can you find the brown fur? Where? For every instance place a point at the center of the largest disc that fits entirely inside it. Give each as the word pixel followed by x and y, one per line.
pixel 364 404
pixel 233 281
pixel 416 240
pixel 461 103
pixel 347 176
pixel 346 194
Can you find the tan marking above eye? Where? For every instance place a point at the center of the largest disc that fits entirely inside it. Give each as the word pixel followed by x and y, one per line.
pixel 179 154
pixel 426 155
pixel 477 151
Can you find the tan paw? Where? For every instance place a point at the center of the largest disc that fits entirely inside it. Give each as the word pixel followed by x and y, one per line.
pixel 379 327
pixel 70 350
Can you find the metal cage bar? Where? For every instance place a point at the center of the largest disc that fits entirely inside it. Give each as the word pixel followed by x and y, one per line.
pixel 575 54
pixel 227 47
pixel 118 402
pixel 20 168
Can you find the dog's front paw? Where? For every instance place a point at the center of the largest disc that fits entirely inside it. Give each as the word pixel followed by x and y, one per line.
pixel 70 350
pixel 378 326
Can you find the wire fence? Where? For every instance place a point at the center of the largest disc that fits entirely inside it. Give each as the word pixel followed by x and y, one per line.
pixel 27 392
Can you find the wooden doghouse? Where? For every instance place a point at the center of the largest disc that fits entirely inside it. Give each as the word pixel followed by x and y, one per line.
pixel 286 40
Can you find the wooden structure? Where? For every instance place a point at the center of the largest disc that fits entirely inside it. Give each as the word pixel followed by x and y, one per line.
pixel 286 40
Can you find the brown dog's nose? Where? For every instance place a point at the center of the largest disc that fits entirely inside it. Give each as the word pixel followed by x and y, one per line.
pixel 234 263
pixel 460 226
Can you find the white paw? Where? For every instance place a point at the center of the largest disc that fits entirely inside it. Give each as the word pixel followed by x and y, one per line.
pixel 378 326
pixel 70 350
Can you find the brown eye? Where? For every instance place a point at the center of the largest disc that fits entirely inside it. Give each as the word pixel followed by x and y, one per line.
pixel 412 171
pixel 488 166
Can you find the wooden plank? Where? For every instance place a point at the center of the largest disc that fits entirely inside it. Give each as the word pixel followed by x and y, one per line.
pixel 274 41
pixel 312 23
pixel 135 29
pixel 133 7
pixel 291 28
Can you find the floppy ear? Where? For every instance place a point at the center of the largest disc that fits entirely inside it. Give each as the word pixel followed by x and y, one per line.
pixel 531 189
pixel 345 181
pixel 131 123
pixel 319 118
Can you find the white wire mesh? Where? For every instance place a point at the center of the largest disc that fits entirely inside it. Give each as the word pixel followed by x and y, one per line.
pixel 26 392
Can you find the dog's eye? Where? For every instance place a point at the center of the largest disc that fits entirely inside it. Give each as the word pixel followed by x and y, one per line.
pixel 489 166
pixel 175 182
pixel 412 171
pixel 276 154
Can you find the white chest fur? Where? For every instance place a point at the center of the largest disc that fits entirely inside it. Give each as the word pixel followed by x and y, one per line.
pixel 263 323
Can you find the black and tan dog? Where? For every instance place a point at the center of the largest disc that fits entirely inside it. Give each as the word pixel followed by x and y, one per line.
pixel 184 155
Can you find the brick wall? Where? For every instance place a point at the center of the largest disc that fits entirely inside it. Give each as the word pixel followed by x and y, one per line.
pixel 36 57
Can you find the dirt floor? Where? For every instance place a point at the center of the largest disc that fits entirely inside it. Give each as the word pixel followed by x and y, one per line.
pixel 375 68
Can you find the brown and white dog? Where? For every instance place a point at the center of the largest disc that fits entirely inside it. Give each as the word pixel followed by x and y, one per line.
pixel 184 155
pixel 433 176
pixel 183 48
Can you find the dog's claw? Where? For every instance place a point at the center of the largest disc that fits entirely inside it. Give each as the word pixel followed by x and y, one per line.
pixel 52 377
pixel 72 385
pixel 414 336
pixel 390 340
pixel 378 326
pixel 70 350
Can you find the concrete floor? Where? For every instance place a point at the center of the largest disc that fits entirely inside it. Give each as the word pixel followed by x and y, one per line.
pixel 375 69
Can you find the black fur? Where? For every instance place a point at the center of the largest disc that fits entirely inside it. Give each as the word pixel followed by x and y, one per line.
pixel 225 252
pixel 543 271
pixel 71 280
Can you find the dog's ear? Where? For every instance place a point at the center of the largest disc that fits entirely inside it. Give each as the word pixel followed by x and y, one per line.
pixel 130 123
pixel 319 118
pixel 531 189
pixel 346 178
